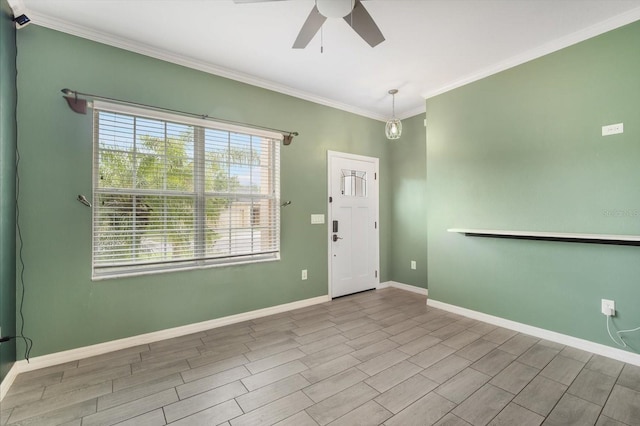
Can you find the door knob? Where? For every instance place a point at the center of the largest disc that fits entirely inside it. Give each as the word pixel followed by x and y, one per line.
pixel 336 238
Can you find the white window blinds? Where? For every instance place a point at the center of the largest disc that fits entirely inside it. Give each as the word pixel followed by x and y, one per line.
pixel 171 192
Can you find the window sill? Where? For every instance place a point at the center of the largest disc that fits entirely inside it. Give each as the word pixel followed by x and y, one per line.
pixel 158 270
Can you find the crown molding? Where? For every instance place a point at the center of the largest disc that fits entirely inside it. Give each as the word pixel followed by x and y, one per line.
pixel 154 52
pixel 553 46
pixel 16 4
pixel 422 109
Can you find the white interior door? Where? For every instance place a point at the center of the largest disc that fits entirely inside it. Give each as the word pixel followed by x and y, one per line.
pixel 353 223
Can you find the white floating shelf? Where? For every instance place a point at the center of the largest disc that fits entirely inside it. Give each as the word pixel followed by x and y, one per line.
pixel 551 236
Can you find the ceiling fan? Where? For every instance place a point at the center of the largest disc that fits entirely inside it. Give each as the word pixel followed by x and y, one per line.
pixel 352 11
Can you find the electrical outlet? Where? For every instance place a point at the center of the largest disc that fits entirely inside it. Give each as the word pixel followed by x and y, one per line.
pixel 304 274
pixel 413 264
pixel 609 308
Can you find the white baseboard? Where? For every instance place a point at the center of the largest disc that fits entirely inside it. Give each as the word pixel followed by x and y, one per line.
pixel 585 345
pixel 115 345
pixel 401 286
pixel 8 381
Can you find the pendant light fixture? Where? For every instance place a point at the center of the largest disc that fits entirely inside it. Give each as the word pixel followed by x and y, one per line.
pixel 393 128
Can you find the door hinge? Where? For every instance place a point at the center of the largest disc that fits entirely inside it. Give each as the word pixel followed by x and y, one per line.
pixel 331 199
pixel 376 274
pixel 375 176
pixel 375 225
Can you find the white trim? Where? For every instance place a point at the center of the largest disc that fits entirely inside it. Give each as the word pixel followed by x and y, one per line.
pixel 376 163
pixel 104 266
pixel 175 58
pixel 183 119
pixel 153 52
pixel 585 345
pixel 350 156
pixel 421 110
pixel 406 287
pixel 17 6
pixel 8 380
pixel 115 345
pixel 553 46
pixel 184 267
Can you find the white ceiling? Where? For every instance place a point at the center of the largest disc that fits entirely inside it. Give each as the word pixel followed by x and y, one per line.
pixel 431 46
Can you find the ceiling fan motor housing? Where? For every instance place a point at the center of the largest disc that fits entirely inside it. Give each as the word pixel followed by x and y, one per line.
pixel 335 8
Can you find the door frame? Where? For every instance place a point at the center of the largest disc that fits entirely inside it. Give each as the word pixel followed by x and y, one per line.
pixel 376 184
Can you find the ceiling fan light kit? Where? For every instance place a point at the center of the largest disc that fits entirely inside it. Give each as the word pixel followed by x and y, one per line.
pixel 335 8
pixel 393 128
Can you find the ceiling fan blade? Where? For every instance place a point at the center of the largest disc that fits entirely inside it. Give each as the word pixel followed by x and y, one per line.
pixel 309 29
pixel 362 23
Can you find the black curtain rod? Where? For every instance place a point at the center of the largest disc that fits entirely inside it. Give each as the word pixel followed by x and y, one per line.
pixel 80 106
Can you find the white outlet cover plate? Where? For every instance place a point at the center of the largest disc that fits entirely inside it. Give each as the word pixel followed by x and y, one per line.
pixel 608 306
pixel 317 219
pixel 613 129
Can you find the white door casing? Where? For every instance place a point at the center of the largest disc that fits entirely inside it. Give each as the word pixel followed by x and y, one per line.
pixel 353 203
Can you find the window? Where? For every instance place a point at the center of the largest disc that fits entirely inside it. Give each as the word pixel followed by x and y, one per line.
pixel 353 183
pixel 172 192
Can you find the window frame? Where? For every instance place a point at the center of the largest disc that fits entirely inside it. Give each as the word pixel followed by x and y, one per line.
pixel 199 194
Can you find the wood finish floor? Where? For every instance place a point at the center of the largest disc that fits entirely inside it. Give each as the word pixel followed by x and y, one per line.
pixel 380 357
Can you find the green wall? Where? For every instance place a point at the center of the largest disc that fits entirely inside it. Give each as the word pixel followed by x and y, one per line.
pixel 522 150
pixel 408 204
pixel 7 185
pixel 519 150
pixel 64 308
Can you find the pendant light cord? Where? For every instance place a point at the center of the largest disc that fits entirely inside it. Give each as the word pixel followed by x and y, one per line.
pixel 393 105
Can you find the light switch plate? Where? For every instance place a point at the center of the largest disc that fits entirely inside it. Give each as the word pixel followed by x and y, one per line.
pixel 317 219
pixel 613 129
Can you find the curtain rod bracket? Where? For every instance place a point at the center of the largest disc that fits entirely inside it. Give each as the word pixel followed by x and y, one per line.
pixel 287 139
pixel 77 105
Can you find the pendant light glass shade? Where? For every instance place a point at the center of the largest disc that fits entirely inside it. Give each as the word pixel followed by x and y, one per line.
pixel 393 128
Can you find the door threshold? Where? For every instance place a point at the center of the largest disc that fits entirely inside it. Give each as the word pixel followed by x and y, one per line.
pixel 351 294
